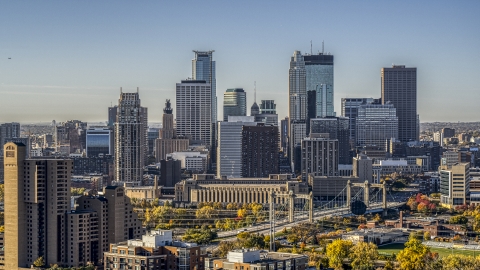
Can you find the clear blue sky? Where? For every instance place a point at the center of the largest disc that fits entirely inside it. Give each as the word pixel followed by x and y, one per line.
pixel 70 58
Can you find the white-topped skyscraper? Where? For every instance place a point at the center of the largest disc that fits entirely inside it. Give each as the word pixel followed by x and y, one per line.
pixel 130 140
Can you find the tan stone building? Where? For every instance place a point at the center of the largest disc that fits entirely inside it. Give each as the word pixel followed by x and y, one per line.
pixel 37 197
pixel 455 184
pixel 208 188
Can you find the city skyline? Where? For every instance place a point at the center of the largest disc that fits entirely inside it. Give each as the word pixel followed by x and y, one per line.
pixel 76 66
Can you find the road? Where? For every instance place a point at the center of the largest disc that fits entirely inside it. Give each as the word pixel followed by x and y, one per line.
pixel 264 228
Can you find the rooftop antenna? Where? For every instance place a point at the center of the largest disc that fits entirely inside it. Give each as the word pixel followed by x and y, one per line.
pixel 323 46
pixel 255 92
pixel 120 90
pixel 137 89
pixel 311 51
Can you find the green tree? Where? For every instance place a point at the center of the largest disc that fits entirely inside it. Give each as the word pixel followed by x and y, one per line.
pixel 415 256
pixel 337 251
pixel 363 256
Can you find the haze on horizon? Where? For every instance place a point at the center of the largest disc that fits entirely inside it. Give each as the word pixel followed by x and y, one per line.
pixel 69 59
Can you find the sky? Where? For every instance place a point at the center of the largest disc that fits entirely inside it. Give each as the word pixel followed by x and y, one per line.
pixel 70 58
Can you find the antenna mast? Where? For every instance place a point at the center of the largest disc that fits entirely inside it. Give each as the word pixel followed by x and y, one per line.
pixel 323 46
pixel 255 92
pixel 311 51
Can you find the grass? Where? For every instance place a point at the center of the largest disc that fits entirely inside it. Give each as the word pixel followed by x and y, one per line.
pixel 395 248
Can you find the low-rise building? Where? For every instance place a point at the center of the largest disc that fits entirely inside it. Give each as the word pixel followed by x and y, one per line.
pixel 255 260
pixel 156 250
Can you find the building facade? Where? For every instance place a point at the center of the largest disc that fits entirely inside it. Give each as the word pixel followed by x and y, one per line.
pixel 99 141
pixel 37 197
pixel 319 78
pixel 234 103
pixel 350 110
pixel 194 111
pixel 375 124
pixel 336 128
pixel 168 141
pixel 399 86
pixel 229 147
pixel 130 139
pixel 455 184
pixel 259 150
pixel 319 156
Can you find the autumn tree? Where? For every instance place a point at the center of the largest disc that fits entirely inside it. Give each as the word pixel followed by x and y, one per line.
pixel 363 256
pixel 415 256
pixel 337 251
pixel 460 262
pixel 427 236
pixel 205 212
pixel 39 262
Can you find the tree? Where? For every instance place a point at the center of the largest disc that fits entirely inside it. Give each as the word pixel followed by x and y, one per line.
pixel 205 212
pixel 39 262
pixel 415 256
pixel 459 261
pixel 2 192
pixel 242 213
pixel 337 251
pixel 427 236
pixel 458 220
pixel 292 238
pixel 224 247
pixel 363 255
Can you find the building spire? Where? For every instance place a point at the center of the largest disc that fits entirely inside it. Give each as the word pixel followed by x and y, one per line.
pixel 255 91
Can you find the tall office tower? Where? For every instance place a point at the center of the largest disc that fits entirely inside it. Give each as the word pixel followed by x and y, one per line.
pixel 350 110
pixel 70 137
pixel 268 113
pixel 112 115
pixel 229 148
pixel 194 111
pixel 319 78
pixel 319 155
pixel 337 128
pixel 234 103
pixel 168 141
pixel 259 151
pixel 203 68
pixel 297 105
pixel 130 139
pixel 399 86
pixel 99 141
pixel 37 197
pixel 376 123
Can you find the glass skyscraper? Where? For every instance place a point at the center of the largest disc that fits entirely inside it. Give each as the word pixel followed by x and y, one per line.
pixel 319 78
pixel 234 103
pixel 203 68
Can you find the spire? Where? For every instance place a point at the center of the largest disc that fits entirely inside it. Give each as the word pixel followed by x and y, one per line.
pixel 168 109
pixel 255 92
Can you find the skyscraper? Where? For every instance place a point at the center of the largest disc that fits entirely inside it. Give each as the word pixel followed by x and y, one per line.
pixel 8 131
pixel 259 151
pixel 350 110
pixel 234 103
pixel 375 124
pixel 194 107
pixel 319 155
pixel 37 197
pixel 99 141
pixel 130 139
pixel 297 106
pixel 229 148
pixel 399 86
pixel 319 78
pixel 168 141
pixel 203 68
pixel 268 113
pixel 337 129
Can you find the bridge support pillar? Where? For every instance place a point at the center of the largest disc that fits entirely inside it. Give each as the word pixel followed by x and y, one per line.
pixel 349 193
pixel 272 221
pixel 291 207
pixel 310 207
pixel 384 201
pixel 366 193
